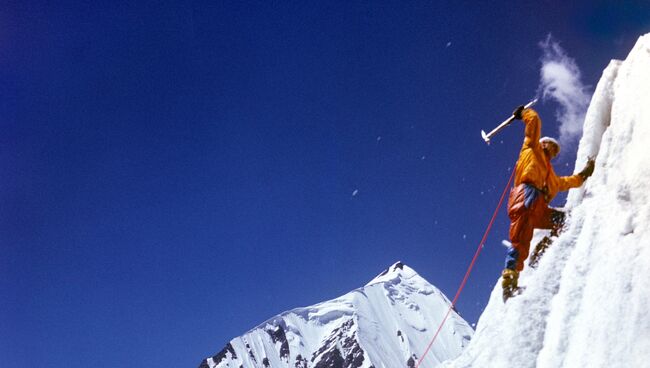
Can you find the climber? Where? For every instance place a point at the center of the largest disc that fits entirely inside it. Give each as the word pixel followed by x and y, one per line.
pixel 535 186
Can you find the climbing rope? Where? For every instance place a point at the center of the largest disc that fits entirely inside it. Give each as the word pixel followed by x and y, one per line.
pixel 469 269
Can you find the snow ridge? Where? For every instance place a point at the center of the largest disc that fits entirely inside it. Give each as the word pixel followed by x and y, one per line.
pixel 386 323
pixel 586 304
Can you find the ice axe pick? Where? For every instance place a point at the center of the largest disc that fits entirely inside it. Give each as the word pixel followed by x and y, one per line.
pixel 488 136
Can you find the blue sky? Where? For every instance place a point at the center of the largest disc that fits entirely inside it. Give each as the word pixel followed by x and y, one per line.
pixel 174 173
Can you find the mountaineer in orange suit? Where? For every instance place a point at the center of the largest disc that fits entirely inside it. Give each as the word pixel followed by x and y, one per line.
pixel 536 184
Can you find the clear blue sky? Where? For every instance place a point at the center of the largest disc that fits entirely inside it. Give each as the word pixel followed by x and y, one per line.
pixel 173 174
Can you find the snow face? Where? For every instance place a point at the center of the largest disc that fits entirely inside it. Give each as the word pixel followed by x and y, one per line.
pixel 386 323
pixel 586 305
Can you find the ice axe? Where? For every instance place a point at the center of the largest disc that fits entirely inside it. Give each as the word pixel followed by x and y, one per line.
pixel 488 136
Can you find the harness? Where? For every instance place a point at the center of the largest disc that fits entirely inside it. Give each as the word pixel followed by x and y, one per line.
pixel 531 192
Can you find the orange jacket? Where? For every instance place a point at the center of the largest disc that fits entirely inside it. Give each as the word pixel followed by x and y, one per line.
pixel 533 167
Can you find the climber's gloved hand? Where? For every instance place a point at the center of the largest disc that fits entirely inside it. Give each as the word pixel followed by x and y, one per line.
pixel 518 111
pixel 588 170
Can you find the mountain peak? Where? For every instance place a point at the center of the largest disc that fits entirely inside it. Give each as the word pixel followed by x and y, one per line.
pixel 383 324
pixel 398 271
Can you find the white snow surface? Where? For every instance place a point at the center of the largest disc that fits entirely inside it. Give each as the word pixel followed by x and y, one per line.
pixel 587 304
pixel 386 323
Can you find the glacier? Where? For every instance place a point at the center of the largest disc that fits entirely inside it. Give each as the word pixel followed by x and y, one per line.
pixel 385 323
pixel 586 305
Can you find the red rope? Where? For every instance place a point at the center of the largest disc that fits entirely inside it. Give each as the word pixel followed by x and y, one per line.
pixel 469 269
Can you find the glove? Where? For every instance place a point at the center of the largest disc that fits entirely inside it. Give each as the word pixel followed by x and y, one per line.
pixel 588 170
pixel 518 111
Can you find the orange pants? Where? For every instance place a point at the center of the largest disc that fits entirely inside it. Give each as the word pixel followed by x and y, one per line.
pixel 527 210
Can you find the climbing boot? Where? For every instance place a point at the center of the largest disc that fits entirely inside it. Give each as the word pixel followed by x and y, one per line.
pixel 539 251
pixel 509 280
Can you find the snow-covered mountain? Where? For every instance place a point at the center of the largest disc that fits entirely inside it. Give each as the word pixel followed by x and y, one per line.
pixel 386 323
pixel 587 304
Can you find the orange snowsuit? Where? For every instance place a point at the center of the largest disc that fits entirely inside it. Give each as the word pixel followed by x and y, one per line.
pixel 536 184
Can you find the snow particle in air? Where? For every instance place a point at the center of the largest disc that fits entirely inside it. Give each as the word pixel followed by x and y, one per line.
pixel 448 43
pixel 355 192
